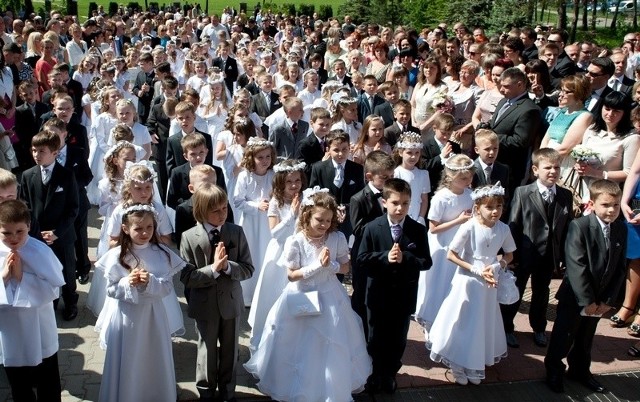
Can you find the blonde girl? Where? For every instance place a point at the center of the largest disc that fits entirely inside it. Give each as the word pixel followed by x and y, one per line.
pixel 407 156
pixel 123 79
pixel 128 115
pixel 473 296
pixel 292 76
pixel 288 182
pixel 450 207
pixel 400 76
pixel 86 71
pixel 136 323
pixel 281 69
pixel 197 81
pixel 251 198
pixel 346 118
pixel 304 348
pixel 310 92
pixel 371 138
pixel 214 105
pixel 243 97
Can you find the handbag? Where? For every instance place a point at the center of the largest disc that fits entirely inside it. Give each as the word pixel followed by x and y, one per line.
pixel 507 290
pixel 302 304
pixel 573 183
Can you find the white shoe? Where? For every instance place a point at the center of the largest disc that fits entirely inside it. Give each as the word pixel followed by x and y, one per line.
pixel 460 378
pixel 474 381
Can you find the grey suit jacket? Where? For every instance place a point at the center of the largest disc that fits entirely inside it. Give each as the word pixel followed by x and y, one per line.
pixel 212 298
pixel 285 141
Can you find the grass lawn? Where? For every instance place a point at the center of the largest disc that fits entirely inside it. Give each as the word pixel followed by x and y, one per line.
pixel 214 5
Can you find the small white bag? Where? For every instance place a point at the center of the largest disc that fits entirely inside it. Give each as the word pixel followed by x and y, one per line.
pixel 507 290
pixel 301 304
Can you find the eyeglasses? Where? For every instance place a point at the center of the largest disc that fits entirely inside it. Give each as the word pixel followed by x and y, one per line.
pixel 552 41
pixel 472 53
pixel 592 74
pixel 565 92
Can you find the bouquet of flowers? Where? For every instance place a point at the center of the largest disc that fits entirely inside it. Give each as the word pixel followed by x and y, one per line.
pixel 443 102
pixel 583 153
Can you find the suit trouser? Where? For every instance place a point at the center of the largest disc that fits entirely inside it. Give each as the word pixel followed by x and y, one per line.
pixel 160 157
pixel 359 281
pixel 81 245
pixel 45 377
pixel 67 257
pixel 571 337
pixel 217 368
pixel 387 340
pixel 540 280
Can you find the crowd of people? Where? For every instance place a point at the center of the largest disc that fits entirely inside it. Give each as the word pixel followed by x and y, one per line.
pixel 263 158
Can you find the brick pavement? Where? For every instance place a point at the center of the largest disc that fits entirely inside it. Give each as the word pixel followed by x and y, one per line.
pixel 515 378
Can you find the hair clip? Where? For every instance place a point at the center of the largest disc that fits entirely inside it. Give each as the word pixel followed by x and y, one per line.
pixel 487 191
pixel 310 192
pixel 144 163
pixel 449 166
pixel 255 142
pixel 116 148
pixel 410 140
pixel 281 167
pixel 140 208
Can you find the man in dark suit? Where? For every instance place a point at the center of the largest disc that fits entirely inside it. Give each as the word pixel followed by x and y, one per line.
pixel 564 66
pixel 227 65
pixel 595 253
pixel 539 218
pixel 51 193
pixel 288 134
pixel 394 250
pixel 215 301
pixel 28 117
pixel 599 71
pixel 119 39
pixel 312 148
pixel 517 122
pixel 528 37
pixel 619 81
pixel 143 86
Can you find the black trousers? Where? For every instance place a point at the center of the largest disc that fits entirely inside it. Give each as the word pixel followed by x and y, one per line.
pixel 359 281
pixel 81 245
pixel 387 340
pixel 571 337
pixel 45 378
pixel 67 257
pixel 540 275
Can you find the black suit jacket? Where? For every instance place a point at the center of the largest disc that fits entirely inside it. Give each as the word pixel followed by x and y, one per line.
pixel 175 156
pixel 78 164
pixel 393 286
pixel 77 136
pixel 593 275
pixel 54 206
pixel 179 184
pixel 323 173
pixel 260 107
pixel 392 133
pixel 563 68
pixel 597 109
pixel 532 230
pixel 627 86
pixel 159 124
pixel 364 208
pixel 499 173
pixel 144 102
pixel 310 151
pixel 27 125
pixel 230 70
pixel 517 129
pixel 364 109
pixel 385 110
pixel 432 161
pixel 75 91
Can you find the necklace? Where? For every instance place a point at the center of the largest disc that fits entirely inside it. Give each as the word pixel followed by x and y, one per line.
pixel 316 241
pixel 486 234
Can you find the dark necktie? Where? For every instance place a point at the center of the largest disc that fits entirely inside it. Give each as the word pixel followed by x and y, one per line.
pixel 396 233
pixel 294 128
pixel 214 238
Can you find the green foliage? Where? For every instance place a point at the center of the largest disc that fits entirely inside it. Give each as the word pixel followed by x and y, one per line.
pixel 306 9
pixel 289 8
pixel 358 10
pixel 14 5
pixel 425 13
pixel 325 12
pixel 387 12
pixel 93 6
pixel 506 14
pixel 473 14
pixel 113 8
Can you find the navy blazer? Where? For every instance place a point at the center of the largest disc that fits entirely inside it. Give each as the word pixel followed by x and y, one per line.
pixel 323 173
pixel 178 188
pixel 175 155
pixel 364 109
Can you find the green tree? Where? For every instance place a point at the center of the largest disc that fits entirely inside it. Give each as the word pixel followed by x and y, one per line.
pixel 472 15
pixel 387 12
pixel 425 13
pixel 359 10
pixel 506 14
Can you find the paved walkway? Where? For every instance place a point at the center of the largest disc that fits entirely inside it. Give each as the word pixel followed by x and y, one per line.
pixel 518 377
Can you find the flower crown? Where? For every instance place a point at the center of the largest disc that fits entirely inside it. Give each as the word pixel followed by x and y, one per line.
pixel 140 208
pixel 310 192
pixel 256 142
pixel 116 148
pixel 487 191
pixel 410 140
pixel 450 166
pixel 281 167
pixel 343 99
pixel 144 163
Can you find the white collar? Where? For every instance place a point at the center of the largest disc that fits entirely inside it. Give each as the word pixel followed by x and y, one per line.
pixel 483 165
pixel 602 224
pixel 401 223
pixel 373 189
pixel 542 188
pixel 209 227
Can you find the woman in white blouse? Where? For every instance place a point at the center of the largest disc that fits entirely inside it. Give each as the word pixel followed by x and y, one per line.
pixel 76 47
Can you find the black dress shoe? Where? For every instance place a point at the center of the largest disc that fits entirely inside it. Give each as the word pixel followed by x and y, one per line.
pixel 373 385
pixel 389 385
pixel 512 341
pixel 588 381
pixel 540 339
pixel 554 382
pixel 83 279
pixel 70 312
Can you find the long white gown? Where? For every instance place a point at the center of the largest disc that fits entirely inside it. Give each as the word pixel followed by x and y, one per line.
pixel 420 184
pixel 273 277
pixel 101 126
pixel 139 359
pixel 250 190
pixel 434 284
pixel 467 333
pixel 312 358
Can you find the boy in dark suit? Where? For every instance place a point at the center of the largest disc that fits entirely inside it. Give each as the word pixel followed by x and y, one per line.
pixel 539 218
pixel 72 157
pixel 369 99
pixel 341 176
pixel 143 86
pixel 27 122
pixel 366 205
pixel 391 94
pixel 402 123
pixel 218 258
pixel 186 116
pixel 394 250
pixel 266 101
pixel 339 69
pixel 194 148
pixel 488 170
pixel 594 283
pixel 287 135
pixel 51 193
pixel 74 88
pixel 312 148
pixel 439 148
pixel 227 65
